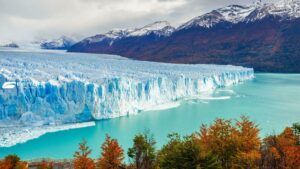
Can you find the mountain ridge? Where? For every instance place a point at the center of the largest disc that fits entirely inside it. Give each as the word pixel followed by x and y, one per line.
pixel 252 35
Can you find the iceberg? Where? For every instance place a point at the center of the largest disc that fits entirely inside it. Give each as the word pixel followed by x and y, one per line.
pixel 51 89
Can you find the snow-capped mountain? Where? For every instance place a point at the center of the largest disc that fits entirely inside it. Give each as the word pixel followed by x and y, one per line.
pixel 285 9
pixel 61 43
pixel 9 45
pixel 265 36
pixel 160 28
pixel 232 13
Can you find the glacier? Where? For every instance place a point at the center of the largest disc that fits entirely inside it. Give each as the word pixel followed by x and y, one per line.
pixel 51 89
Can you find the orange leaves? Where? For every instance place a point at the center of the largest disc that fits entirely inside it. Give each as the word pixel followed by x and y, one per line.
pixel 248 144
pixel 112 154
pixel 13 162
pixel 247 134
pixel 81 157
pixel 235 145
pixel 274 152
pixel 225 144
pixel 281 151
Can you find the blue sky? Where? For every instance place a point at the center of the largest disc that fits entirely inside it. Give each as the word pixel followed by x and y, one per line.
pixel 39 19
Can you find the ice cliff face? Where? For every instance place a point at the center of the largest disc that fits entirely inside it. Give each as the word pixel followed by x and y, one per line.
pixel 55 88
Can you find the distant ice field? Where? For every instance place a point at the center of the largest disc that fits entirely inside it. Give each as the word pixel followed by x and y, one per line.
pixel 58 66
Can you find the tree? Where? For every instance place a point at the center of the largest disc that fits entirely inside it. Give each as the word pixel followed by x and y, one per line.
pixel 143 151
pixel 81 157
pixel 112 154
pixel 248 144
pixel 296 128
pixel 236 146
pixel 220 140
pixel 281 151
pixel 181 153
pixel 13 162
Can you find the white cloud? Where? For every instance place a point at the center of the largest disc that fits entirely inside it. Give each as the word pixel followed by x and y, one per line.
pixel 33 19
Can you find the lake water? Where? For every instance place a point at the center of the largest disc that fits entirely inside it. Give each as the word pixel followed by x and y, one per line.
pixel 271 100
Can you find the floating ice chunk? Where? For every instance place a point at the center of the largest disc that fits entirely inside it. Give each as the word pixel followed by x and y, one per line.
pixel 11 136
pixel 9 85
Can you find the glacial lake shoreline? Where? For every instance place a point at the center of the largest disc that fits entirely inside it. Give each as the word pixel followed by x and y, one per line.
pixel 270 100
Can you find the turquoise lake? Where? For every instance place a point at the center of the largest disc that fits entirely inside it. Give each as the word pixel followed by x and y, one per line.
pixel 271 100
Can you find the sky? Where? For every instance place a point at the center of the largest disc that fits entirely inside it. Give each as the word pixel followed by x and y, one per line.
pixel 48 19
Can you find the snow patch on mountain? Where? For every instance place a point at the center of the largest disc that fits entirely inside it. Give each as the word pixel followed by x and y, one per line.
pixel 286 9
pixel 61 43
pixel 232 13
pixel 109 36
pixel 160 28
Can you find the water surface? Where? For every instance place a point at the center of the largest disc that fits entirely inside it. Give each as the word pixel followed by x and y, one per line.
pixel 271 100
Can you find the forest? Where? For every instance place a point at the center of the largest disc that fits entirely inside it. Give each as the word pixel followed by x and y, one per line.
pixel 224 144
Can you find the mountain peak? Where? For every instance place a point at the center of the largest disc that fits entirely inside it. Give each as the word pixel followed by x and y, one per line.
pixel 157 25
pixel 238 13
pixel 285 9
pixel 161 28
pixel 231 13
pixel 62 42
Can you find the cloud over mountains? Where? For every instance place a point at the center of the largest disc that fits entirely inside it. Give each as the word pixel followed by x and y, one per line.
pixel 35 19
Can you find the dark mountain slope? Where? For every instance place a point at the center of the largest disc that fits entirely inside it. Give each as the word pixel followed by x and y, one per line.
pixel 265 37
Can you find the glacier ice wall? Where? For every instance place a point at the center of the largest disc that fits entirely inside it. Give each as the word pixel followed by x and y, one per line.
pixel 56 88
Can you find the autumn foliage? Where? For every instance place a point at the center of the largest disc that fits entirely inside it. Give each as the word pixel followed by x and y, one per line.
pixel 225 144
pixel 112 154
pixel 82 159
pixel 236 146
pixel 13 162
pixel 281 151
pixel 185 152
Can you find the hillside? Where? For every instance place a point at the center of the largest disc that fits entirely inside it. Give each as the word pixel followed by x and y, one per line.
pixel 263 36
